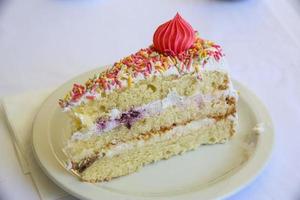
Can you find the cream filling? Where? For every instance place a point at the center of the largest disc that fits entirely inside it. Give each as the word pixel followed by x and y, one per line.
pixel 177 131
pixel 148 110
pixel 119 148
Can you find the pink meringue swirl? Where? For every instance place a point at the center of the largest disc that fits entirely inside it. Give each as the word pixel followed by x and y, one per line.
pixel 174 36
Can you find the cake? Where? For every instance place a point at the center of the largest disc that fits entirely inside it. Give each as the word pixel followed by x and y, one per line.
pixel 161 101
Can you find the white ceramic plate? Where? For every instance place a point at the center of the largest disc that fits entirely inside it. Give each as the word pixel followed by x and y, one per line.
pixel 212 171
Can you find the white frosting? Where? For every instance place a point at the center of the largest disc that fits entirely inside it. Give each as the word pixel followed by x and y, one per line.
pixel 93 130
pixel 115 113
pixel 172 99
pixel 82 99
pixel 117 149
pixel 214 65
pixel 139 77
pixel 171 71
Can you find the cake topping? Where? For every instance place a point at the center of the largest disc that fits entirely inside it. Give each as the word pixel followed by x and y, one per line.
pixel 177 50
pixel 77 91
pixel 144 63
pixel 174 36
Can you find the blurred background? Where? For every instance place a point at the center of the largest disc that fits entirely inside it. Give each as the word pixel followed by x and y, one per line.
pixel 43 43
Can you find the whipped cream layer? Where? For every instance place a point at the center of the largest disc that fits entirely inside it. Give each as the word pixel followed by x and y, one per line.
pixel 120 147
pixel 117 118
pixel 128 118
pixel 174 132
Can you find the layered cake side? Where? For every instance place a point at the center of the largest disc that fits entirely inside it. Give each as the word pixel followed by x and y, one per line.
pixel 161 101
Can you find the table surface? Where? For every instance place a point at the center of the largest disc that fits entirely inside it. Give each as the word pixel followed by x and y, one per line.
pixel 43 43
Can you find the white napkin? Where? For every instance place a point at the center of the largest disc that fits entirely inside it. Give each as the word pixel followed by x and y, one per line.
pixel 20 111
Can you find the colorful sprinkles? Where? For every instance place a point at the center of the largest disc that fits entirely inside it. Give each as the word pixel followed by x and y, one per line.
pixel 143 63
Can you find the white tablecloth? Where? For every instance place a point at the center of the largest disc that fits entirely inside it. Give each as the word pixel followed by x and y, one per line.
pixel 45 42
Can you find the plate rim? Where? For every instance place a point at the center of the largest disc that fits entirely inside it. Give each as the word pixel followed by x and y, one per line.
pixel 233 183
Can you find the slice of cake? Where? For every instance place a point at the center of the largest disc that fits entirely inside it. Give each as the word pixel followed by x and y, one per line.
pixel 161 101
